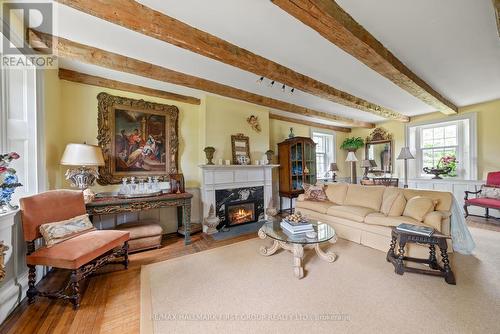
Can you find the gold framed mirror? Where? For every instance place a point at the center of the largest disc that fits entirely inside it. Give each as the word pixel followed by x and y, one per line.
pixel 379 148
pixel 240 145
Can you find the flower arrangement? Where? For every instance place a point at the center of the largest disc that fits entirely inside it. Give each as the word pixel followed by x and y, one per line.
pixel 8 180
pixel 449 161
pixel 352 143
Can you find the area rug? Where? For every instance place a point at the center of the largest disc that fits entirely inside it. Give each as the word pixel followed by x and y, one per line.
pixel 234 289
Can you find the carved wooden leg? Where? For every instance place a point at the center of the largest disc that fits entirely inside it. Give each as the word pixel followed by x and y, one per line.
pixel 390 253
pixel 327 256
pixel 466 210
pixel 266 251
pixel 432 257
pixel 298 254
pixel 487 213
pixel 399 268
pixel 449 276
pixel 75 288
pixel 125 254
pixel 32 292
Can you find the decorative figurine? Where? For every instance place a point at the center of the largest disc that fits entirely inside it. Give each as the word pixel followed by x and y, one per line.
pixel 269 155
pixel 291 135
pixel 210 223
pixel 254 123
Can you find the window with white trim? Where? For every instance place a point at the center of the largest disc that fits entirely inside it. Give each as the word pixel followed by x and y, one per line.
pixel 441 144
pixel 325 152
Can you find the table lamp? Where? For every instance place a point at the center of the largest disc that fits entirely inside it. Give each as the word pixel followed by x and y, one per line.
pixel 405 155
pixel 366 164
pixel 85 159
pixel 351 157
pixel 333 169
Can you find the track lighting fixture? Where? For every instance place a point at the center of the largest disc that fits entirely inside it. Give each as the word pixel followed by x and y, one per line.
pixel 283 88
pixel 271 83
pixel 259 81
pixel 292 90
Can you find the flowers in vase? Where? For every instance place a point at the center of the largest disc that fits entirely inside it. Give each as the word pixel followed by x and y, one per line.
pixel 449 161
pixel 8 179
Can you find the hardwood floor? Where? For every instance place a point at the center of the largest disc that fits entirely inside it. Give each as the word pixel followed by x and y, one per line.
pixel 111 298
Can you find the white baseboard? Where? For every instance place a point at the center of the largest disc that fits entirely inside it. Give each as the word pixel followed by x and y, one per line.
pixel 11 294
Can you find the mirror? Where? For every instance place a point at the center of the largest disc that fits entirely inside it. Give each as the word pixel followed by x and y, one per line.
pixel 379 149
pixel 241 149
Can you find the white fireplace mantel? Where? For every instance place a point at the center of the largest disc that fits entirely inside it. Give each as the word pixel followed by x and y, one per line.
pixel 216 177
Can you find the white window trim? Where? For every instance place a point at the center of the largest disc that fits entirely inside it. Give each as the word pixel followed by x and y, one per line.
pixel 472 118
pixel 334 146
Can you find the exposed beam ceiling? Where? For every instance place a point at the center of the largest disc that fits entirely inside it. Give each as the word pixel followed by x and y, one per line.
pixel 337 26
pixel 137 17
pixel 90 55
pixel 108 83
pixel 496 4
pixel 308 123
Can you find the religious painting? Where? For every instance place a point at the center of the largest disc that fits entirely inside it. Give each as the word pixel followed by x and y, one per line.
pixel 138 138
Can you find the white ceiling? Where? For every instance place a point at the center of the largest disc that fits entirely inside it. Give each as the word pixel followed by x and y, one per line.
pixel 451 44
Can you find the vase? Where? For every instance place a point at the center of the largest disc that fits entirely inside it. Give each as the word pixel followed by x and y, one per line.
pixel 209 153
pixel 9 184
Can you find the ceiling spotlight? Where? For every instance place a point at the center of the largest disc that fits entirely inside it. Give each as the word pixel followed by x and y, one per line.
pixel 259 81
pixel 283 88
pixel 292 90
pixel 271 83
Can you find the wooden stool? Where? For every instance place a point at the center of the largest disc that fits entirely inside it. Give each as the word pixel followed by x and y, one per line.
pixel 402 238
pixel 144 234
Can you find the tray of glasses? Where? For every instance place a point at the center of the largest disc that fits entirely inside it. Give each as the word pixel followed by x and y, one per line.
pixel 140 195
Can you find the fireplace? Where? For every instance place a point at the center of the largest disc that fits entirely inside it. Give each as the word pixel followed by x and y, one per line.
pixel 239 206
pixel 241 212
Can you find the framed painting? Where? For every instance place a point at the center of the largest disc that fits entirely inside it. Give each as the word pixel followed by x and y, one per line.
pixel 138 138
pixel 240 145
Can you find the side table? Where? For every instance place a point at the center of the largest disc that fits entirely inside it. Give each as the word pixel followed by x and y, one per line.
pixel 436 239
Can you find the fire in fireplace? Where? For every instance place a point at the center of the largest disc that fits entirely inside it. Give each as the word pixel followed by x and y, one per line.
pixel 241 212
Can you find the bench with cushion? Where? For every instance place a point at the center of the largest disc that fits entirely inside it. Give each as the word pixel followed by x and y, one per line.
pixel 82 253
pixel 144 234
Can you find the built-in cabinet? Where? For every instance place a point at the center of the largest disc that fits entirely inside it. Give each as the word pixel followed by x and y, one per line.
pixel 297 159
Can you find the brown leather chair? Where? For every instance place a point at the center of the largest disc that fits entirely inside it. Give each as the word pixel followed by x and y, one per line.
pixel 82 254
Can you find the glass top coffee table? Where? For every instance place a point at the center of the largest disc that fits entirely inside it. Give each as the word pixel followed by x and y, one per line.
pixel 296 243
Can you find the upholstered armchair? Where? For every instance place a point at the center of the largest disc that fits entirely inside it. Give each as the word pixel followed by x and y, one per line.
pixel 488 197
pixel 82 254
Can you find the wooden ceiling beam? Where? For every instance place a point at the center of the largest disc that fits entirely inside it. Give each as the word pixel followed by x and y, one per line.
pixel 88 79
pixel 496 5
pixel 90 55
pixel 337 26
pixel 137 17
pixel 308 123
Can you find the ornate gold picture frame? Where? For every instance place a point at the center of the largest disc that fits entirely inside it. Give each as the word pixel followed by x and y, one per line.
pixel 240 145
pixel 138 138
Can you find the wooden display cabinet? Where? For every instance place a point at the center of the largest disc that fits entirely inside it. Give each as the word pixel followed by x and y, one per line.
pixel 297 159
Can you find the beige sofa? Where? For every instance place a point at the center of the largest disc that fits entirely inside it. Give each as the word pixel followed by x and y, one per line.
pixel 354 211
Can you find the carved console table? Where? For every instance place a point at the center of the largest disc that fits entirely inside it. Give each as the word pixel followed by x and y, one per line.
pixel 115 205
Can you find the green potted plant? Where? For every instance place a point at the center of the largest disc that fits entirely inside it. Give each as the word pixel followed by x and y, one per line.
pixel 352 144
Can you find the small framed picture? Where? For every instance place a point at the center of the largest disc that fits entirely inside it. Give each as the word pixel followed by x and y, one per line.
pixel 177 183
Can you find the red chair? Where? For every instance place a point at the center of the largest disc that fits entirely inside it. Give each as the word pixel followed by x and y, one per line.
pixel 82 254
pixel 493 180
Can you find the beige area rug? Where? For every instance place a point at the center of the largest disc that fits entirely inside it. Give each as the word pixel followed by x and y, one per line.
pixel 234 289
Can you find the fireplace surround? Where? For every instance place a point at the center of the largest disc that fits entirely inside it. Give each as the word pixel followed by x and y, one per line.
pixel 239 205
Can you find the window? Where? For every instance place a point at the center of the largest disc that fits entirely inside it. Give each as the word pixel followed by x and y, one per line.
pixel 452 140
pixel 325 144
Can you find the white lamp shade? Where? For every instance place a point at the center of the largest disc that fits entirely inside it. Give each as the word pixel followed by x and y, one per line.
pixel 351 157
pixel 405 154
pixel 82 155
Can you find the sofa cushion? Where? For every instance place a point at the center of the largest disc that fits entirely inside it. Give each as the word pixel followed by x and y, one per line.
pixel 435 219
pixel 142 229
pixel 365 196
pixel 393 202
pixel 336 192
pixel 380 219
pixel 444 198
pixel 56 232
pixel 77 251
pixel 321 207
pixel 314 192
pixel 419 206
pixel 356 213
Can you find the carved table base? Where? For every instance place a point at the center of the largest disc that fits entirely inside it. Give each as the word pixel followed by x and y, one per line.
pixel 298 252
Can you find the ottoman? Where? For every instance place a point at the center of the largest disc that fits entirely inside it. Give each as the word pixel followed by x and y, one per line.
pixel 144 234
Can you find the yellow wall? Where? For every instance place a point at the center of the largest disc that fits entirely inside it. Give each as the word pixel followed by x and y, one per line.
pixel 71 117
pixel 488 135
pixel 226 117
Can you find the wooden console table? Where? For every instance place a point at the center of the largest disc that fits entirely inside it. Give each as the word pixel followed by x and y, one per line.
pixel 115 205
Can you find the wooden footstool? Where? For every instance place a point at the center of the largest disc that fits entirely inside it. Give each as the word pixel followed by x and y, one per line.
pixel 145 234
pixel 436 239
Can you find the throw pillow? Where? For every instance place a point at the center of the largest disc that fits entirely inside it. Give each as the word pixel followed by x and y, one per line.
pixel 417 207
pixel 314 193
pixel 393 204
pixel 336 192
pixel 57 232
pixel 490 192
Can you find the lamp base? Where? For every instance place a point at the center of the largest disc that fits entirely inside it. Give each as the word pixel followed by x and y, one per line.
pixel 82 177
